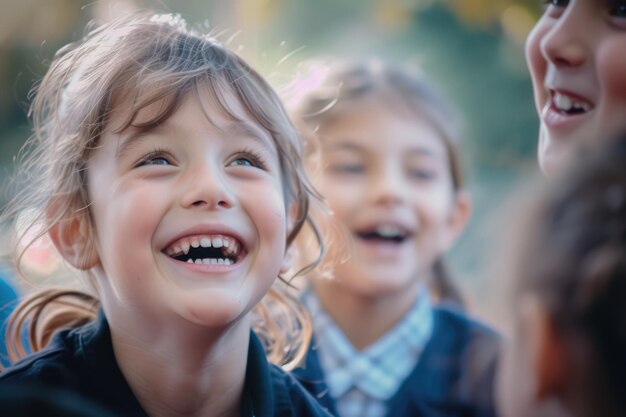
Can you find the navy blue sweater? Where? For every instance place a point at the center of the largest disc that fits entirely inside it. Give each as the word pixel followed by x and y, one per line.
pixel 82 361
pixel 454 375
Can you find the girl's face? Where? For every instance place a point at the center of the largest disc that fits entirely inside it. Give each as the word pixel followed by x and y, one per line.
pixel 387 180
pixel 578 66
pixel 190 219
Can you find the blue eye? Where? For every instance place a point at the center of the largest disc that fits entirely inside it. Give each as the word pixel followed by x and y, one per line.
pixel 158 157
pixel 248 158
pixel 157 161
pixel 242 162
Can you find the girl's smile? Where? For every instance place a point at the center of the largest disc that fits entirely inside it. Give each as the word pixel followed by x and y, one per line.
pixel 564 113
pixel 577 63
pixel 208 252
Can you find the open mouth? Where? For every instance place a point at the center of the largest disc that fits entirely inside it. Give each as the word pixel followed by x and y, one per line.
pixel 385 234
pixel 568 104
pixel 207 250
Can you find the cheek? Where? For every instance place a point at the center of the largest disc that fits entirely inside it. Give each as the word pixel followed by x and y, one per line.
pixel 434 204
pixel 611 67
pixel 270 218
pixel 124 218
pixel 140 208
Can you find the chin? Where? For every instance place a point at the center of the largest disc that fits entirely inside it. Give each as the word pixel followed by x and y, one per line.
pixel 217 310
pixel 549 160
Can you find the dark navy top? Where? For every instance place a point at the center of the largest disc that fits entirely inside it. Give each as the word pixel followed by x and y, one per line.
pixel 82 360
pixel 453 377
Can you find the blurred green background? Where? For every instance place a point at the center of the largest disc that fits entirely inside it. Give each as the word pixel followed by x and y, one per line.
pixel 472 49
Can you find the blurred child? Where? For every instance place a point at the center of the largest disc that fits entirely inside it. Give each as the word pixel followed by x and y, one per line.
pixel 576 59
pixel 570 286
pixel 8 301
pixel 390 174
pixel 171 175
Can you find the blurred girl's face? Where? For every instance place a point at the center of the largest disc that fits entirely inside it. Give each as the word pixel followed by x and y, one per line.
pixel 387 179
pixel 578 66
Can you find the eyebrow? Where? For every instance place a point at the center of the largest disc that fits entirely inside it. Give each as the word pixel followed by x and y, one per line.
pixel 133 139
pixel 237 127
pixel 248 130
pixel 351 146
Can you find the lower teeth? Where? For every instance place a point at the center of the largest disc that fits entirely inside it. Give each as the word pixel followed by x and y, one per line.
pixel 210 261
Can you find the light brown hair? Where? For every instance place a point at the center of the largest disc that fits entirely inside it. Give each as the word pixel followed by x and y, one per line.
pixel 145 59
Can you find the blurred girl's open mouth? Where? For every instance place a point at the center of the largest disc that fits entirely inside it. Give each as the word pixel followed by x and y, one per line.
pixel 389 234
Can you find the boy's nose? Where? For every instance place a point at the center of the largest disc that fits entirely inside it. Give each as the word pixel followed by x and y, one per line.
pixel 207 189
pixel 564 44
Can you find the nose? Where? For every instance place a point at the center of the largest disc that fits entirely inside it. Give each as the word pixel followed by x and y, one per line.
pixel 563 44
pixel 207 188
pixel 388 186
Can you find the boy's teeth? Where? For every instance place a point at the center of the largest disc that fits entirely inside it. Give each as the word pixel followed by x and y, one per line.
pixel 195 243
pixel 217 242
pixel 205 242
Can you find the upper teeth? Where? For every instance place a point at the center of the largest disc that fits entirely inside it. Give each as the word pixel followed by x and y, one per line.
pixel 566 103
pixel 389 231
pixel 183 245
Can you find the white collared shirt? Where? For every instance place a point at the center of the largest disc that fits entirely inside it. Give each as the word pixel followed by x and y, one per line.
pixel 363 381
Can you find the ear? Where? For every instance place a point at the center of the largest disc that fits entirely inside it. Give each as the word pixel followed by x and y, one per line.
pixel 547 348
pixel 74 241
pixel 460 214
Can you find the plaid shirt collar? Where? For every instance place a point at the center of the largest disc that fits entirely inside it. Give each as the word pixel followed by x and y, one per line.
pixel 379 370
